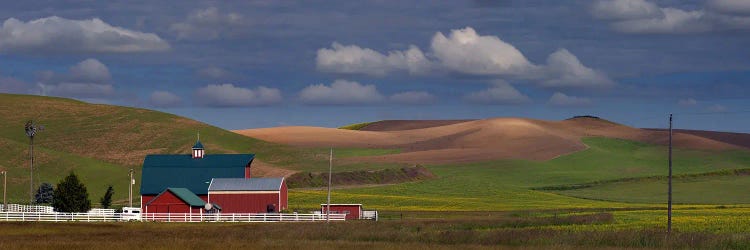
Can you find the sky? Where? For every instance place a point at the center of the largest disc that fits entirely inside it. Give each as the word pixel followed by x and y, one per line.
pixel 250 64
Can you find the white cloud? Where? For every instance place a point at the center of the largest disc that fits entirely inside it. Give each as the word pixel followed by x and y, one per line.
pixel 624 9
pixel 354 59
pixel 499 93
pixel 731 6
pixel 413 97
pixel 563 100
pixel 643 17
pixel 227 95
pixel 209 24
pixel 91 70
pixel 465 51
pixel 687 102
pixel 56 34
pixel 340 92
pixel 672 21
pixel 164 99
pixel 718 108
pixel 565 70
pixel 89 78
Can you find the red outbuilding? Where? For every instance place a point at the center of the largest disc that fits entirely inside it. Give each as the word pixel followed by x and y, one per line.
pixel 352 211
pixel 254 195
pixel 175 200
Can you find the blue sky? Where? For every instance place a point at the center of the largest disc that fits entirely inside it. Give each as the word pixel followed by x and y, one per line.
pixel 329 63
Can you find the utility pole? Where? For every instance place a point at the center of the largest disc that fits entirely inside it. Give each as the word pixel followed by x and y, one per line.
pixel 328 204
pixel 130 194
pixel 669 193
pixel 5 189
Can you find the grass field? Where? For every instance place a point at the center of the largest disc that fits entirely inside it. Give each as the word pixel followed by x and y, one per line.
pixel 101 142
pixel 705 229
pixel 508 184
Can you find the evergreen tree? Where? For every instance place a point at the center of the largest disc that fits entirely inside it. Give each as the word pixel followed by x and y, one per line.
pixel 71 196
pixel 44 194
pixel 106 200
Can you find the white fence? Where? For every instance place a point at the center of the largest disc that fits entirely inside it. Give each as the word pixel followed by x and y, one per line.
pixel 167 217
pixel 26 208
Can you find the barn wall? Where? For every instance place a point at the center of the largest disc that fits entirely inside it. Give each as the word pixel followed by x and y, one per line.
pixel 245 202
pixel 284 193
pixel 352 212
pixel 169 203
pixel 145 199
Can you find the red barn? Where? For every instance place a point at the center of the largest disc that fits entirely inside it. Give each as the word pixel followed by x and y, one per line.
pixel 255 195
pixel 190 171
pixel 352 211
pixel 175 200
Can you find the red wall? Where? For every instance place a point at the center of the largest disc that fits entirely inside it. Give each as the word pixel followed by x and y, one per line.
pixel 245 203
pixel 146 198
pixel 252 202
pixel 353 211
pixel 284 196
pixel 169 203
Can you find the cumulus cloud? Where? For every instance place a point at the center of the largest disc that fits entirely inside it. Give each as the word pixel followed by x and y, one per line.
pixel 730 6
pixel 501 93
pixel 89 78
pixel 687 102
pixel 209 24
pixel 565 70
pixel 228 95
pixel 413 98
pixel 465 51
pixel 164 99
pixel 643 17
pixel 90 70
pixel 563 100
pixel 60 35
pixel 340 92
pixel 354 59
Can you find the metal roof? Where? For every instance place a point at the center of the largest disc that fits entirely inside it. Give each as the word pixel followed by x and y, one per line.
pixel 198 145
pixel 185 195
pixel 163 171
pixel 242 184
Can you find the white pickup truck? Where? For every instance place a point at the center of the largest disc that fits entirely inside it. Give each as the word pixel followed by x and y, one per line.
pixel 131 214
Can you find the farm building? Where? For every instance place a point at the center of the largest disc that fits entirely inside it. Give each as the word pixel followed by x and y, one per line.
pixel 175 200
pixel 240 195
pixel 352 211
pixel 180 184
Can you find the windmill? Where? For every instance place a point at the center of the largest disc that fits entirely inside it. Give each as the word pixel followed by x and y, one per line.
pixel 31 130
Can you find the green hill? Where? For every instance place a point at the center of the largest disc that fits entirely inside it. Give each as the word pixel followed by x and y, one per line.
pixel 102 142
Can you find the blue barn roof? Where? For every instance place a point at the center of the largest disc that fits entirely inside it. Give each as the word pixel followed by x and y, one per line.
pixel 163 171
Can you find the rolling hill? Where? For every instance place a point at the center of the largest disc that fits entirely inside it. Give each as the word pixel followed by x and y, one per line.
pixel 102 142
pixel 454 141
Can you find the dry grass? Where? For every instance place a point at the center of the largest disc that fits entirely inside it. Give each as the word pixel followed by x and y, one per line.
pixel 498 230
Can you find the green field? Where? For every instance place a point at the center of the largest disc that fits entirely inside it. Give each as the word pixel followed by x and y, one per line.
pixel 510 184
